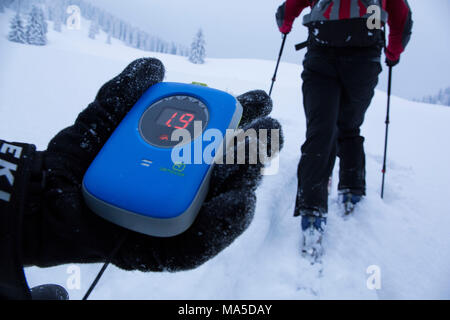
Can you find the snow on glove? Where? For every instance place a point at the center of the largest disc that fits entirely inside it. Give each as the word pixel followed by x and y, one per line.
pixel 59 228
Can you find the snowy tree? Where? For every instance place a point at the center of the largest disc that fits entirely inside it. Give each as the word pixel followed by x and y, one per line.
pixel 36 32
pixel 186 51
pixel 123 31
pixel 198 52
pixel 152 45
pixel 108 39
pixel 442 98
pixel 135 43
pixel 41 18
pixel 18 6
pixel 94 29
pixel 56 14
pixel 142 40
pixel 57 25
pixel 129 35
pixel 107 25
pixel 117 30
pixel 159 47
pixel 55 11
pixel 17 33
pixel 173 48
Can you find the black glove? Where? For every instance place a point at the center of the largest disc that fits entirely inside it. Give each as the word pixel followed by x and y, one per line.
pixel 392 63
pixel 390 59
pixel 59 228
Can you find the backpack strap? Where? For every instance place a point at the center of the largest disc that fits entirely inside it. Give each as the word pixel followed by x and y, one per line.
pixel 326 10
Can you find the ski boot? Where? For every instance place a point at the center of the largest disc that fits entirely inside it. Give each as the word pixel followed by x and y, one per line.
pixel 349 201
pixel 313 226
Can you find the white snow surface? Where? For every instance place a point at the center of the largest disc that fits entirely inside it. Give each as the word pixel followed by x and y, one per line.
pixel 42 89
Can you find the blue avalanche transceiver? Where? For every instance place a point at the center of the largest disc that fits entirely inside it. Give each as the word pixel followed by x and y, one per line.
pixel 133 181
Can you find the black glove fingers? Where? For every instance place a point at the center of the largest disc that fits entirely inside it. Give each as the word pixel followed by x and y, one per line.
pixel 121 93
pixel 219 222
pixel 229 177
pixel 255 104
pixel 226 177
pixel 270 126
pixel 95 124
pixel 80 143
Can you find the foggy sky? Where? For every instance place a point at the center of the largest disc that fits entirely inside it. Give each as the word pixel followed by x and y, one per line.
pixel 247 29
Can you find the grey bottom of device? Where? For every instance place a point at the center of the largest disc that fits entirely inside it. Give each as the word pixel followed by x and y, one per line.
pixel 147 225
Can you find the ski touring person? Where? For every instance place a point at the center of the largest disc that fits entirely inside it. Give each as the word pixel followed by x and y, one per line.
pixel 44 220
pixel 341 69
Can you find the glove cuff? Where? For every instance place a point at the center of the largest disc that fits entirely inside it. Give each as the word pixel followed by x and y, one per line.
pixel 17 169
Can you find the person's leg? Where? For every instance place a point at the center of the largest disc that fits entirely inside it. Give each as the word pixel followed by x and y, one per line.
pixel 321 97
pixel 359 79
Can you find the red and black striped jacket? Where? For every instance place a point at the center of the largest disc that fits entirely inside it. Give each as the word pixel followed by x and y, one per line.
pixel 399 21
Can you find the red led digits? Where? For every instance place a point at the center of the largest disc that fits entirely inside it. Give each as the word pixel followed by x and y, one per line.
pixel 185 119
pixel 170 120
pixel 186 122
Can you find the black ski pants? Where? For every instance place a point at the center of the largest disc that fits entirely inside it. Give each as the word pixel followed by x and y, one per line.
pixel 337 90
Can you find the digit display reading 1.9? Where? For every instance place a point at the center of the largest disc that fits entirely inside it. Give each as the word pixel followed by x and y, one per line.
pixel 175 118
pixel 169 114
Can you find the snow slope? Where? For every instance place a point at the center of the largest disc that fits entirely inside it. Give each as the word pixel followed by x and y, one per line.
pixel 42 89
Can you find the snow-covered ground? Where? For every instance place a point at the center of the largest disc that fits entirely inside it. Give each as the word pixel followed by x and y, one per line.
pixel 42 89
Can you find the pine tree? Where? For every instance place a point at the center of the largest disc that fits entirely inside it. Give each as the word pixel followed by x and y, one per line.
pixel 42 20
pixel 153 44
pixel 108 39
pixel 135 43
pixel 117 29
pixel 17 33
pixel 50 12
pixel 145 42
pixel 57 16
pixel 442 98
pixel 129 36
pixel 123 31
pixel 36 33
pixel 142 40
pixel 57 25
pixel 173 48
pixel 198 52
pixel 94 29
pixel 18 6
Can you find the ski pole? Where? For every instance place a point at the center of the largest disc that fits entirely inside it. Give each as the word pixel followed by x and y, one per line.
pixel 106 264
pixel 387 130
pixel 274 78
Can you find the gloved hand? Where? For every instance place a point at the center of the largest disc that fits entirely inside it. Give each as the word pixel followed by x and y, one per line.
pixel 392 63
pixel 391 60
pixel 284 28
pixel 59 228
